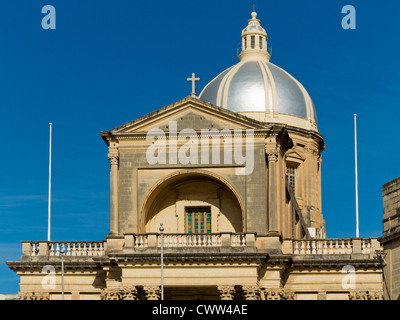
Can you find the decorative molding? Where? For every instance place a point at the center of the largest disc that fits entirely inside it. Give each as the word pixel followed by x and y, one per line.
pixel 34 296
pixel 226 292
pixel 129 293
pixel 277 294
pixel 366 295
pixel 152 293
pixel 251 292
pixel 110 294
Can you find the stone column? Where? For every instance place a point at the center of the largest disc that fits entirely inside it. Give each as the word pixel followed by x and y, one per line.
pixel 152 293
pixel 272 191
pixel 226 292
pixel 113 157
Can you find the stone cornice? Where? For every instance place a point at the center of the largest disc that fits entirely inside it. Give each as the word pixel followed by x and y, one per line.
pixel 38 265
pixel 228 257
pixel 335 261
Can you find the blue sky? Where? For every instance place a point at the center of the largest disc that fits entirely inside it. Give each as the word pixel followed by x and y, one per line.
pixel 109 62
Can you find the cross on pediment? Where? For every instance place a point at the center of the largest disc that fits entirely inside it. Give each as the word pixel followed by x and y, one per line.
pixel 193 79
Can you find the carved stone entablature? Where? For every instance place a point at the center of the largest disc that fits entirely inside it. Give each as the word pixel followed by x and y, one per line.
pixel 277 294
pixel 129 293
pixel 33 296
pixel 226 292
pixel 251 292
pixel 110 294
pixel 152 293
pixel 366 295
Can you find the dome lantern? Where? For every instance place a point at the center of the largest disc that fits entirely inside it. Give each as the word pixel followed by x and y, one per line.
pixel 254 40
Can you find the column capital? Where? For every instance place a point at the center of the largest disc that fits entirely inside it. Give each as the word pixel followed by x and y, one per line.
pixel 226 292
pixel 110 294
pixel 251 292
pixel 272 154
pixel 114 158
pixel 152 293
pixel 129 293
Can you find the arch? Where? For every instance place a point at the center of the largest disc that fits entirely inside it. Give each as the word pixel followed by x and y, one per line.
pixel 179 178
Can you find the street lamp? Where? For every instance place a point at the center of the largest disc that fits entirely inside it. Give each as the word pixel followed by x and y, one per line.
pixel 62 251
pixel 162 261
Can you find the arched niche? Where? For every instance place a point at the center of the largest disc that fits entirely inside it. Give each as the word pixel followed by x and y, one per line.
pixel 170 200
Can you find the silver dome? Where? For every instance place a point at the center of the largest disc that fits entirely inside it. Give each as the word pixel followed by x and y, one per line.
pixel 260 89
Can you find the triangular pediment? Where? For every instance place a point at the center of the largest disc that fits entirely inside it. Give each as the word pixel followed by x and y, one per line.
pixel 189 113
pixel 293 154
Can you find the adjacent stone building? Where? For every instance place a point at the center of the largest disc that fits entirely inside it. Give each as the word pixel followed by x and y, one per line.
pixel 234 178
pixel 390 239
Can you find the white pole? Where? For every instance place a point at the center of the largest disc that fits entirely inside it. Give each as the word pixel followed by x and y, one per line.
pixel 356 172
pixel 49 200
pixel 162 260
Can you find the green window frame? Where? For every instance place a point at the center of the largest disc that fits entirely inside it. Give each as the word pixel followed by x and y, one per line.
pixel 198 219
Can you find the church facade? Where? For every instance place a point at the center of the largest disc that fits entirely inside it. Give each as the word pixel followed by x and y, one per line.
pixel 226 186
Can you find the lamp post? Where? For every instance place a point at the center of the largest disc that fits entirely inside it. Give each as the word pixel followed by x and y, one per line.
pixel 162 261
pixel 62 251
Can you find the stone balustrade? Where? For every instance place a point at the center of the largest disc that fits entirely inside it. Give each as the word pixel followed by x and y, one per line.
pixel 65 248
pixel 183 240
pixel 331 246
pixel 170 241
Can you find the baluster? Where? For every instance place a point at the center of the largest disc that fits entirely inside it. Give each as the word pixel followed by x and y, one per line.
pixel 343 247
pixel 218 239
pixel 194 240
pixel 179 240
pixel 94 249
pixel 308 251
pixel 169 241
pixel 325 250
pixel 302 251
pixel 330 247
pixel 68 252
pixel 363 246
pixel 84 249
pixel 184 244
pixel 296 247
pixel 190 244
pixel 33 251
pixel 57 249
pixel 313 247
pixel 89 249
pixel 319 247
pixel 51 253
pixel 233 240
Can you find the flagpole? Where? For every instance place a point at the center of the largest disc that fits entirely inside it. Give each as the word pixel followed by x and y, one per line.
pixel 49 200
pixel 356 172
